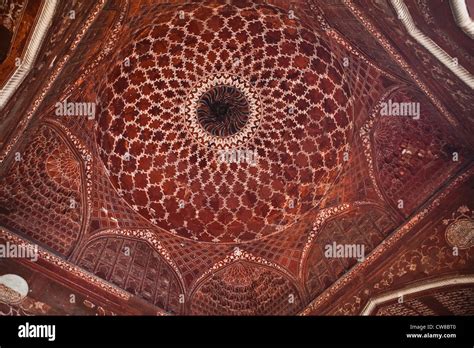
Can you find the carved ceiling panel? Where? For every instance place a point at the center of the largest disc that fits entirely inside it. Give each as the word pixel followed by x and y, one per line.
pixel 224 157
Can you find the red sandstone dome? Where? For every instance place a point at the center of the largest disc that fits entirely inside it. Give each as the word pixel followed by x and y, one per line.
pixel 205 78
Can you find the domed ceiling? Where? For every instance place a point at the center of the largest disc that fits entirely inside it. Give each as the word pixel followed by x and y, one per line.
pixel 231 145
pixel 223 122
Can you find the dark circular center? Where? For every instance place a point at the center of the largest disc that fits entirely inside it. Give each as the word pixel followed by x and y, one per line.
pixel 223 111
pixel 220 110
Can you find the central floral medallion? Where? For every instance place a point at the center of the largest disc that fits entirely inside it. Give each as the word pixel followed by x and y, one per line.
pixel 223 111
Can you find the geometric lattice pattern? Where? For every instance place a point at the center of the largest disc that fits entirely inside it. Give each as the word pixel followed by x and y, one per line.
pixel 176 227
pixel 413 157
pixel 135 267
pixel 109 210
pixel 244 289
pixel 443 302
pixel 365 226
pixel 40 195
pixel 164 171
pixel 62 167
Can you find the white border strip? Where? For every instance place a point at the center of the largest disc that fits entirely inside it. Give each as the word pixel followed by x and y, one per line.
pixel 64 264
pixel 430 45
pixel 432 284
pixel 462 17
pixel 33 46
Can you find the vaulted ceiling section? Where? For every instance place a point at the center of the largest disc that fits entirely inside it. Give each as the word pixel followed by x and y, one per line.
pixel 134 210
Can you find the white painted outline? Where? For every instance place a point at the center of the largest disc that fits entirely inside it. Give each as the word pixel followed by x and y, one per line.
pixel 448 61
pixel 462 17
pixel 34 44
